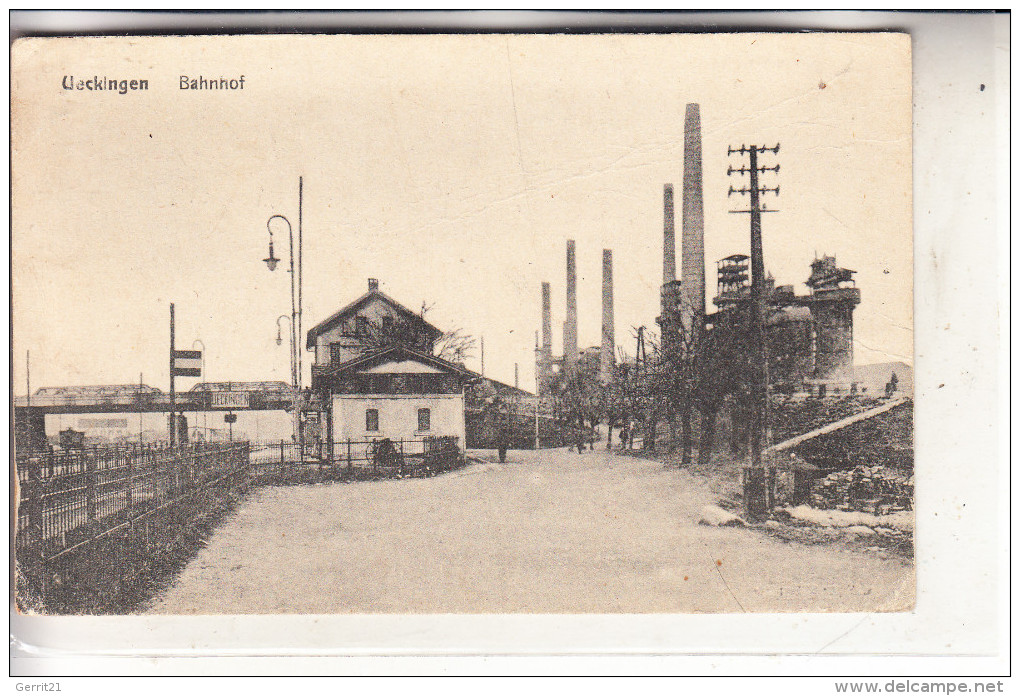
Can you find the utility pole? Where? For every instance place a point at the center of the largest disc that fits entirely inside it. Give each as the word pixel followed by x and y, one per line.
pixel 756 486
pixel 300 307
pixel 28 400
pixel 640 353
pixel 539 374
pixel 173 393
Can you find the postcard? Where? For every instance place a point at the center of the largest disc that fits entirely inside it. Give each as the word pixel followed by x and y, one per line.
pixel 596 324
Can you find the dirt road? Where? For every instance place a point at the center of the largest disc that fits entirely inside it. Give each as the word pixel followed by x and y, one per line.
pixel 551 531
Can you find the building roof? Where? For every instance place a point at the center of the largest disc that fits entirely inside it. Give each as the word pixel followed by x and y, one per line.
pixel 373 293
pixel 396 353
pixel 503 387
pixel 96 390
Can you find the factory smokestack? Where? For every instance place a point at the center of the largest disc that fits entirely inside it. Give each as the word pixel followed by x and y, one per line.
pixel 668 237
pixel 545 356
pixel 669 297
pixel 608 325
pixel 570 325
pixel 693 242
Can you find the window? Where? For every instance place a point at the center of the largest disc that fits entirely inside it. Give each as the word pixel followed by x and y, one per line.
pixel 372 420
pixel 338 353
pixel 424 419
pixel 362 326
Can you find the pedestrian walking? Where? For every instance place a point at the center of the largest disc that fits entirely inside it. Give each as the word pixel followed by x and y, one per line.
pixel 503 445
pixel 624 436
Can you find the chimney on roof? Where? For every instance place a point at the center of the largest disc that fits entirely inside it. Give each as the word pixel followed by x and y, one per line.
pixel 373 283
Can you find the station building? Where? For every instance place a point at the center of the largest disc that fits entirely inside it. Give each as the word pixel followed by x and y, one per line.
pixel 376 376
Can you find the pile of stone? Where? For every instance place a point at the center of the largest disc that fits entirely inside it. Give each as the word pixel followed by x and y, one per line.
pixel 875 489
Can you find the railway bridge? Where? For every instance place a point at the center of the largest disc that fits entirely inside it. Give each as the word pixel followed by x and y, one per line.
pixel 30 411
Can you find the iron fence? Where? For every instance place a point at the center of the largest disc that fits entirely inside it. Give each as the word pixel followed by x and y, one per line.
pixel 69 498
pixel 358 459
pixel 92 521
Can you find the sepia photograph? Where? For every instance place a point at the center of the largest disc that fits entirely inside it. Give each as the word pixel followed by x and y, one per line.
pixel 600 324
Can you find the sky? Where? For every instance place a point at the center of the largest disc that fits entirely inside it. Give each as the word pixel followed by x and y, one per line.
pixel 451 168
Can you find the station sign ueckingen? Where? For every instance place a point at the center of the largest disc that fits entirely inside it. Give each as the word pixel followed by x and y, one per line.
pixel 228 399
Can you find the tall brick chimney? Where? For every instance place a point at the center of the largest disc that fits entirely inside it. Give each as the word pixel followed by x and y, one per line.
pixel 669 292
pixel 668 236
pixel 693 243
pixel 545 356
pixel 570 325
pixel 607 360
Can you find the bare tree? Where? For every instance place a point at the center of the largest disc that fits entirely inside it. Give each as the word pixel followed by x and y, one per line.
pixel 581 397
pixel 454 346
pixel 632 396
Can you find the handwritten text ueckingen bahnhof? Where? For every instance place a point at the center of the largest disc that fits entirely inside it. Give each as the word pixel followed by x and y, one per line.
pixel 98 83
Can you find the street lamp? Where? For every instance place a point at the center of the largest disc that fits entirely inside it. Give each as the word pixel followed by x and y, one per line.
pixel 271 262
pixel 279 341
pixel 279 335
pixel 295 307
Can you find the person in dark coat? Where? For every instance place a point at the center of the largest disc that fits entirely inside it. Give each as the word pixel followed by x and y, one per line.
pixel 503 440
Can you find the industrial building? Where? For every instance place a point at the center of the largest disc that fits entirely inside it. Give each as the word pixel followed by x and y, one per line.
pixel 809 338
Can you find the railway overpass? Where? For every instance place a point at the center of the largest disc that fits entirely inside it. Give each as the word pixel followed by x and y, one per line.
pixel 30 411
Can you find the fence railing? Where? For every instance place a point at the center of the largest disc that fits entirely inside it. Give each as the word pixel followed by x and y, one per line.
pixel 68 498
pixel 377 457
pixel 92 521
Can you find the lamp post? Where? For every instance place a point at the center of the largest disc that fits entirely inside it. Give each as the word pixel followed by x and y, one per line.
pixel 295 307
pixel 271 262
pixel 293 353
pixel 279 341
